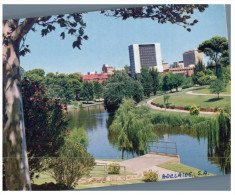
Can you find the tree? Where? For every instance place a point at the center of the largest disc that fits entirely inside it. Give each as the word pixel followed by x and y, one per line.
pixel 120 86
pixel 132 127
pixel 98 89
pixel 14 36
pixel 37 75
pixel 146 80
pixel 75 81
pixel 178 80
pixel 45 123
pixel 88 91
pixel 199 67
pixel 155 77
pixel 217 50
pixel 217 86
pixel 204 79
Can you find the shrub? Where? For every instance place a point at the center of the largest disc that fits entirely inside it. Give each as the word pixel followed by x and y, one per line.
pixel 161 106
pixel 216 109
pixel 157 104
pixel 74 162
pixel 74 103
pixel 194 110
pixel 150 176
pixel 45 123
pixel 172 106
pixel 114 168
pixel 187 86
pixel 187 107
pixel 167 105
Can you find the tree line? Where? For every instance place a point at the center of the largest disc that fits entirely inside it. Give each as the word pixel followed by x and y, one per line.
pixel 67 87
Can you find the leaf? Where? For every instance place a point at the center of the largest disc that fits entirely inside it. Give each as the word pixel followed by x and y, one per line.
pixel 71 31
pixel 85 37
pixel 62 35
pixel 81 31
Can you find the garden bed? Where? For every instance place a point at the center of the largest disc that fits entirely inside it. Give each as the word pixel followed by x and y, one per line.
pixel 186 108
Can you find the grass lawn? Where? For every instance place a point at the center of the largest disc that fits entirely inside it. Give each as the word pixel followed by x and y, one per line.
pixel 112 160
pixel 108 183
pixel 97 171
pixel 183 99
pixel 91 103
pixel 206 90
pixel 181 168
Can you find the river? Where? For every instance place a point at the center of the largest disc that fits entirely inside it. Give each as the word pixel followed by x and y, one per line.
pixel 95 119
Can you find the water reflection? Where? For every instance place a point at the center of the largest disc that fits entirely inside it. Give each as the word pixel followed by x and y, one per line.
pixel 193 147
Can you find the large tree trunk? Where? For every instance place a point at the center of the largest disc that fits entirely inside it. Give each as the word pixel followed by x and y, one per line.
pixel 14 141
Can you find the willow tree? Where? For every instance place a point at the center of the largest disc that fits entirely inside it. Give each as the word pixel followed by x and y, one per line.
pixel 14 36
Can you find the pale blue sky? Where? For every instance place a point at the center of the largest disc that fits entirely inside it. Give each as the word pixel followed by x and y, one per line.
pixel 109 39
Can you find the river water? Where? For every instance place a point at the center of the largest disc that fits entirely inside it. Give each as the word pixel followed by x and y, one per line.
pixel 95 119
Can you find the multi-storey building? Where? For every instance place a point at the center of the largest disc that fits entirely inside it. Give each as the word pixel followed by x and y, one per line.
pixel 179 64
pixel 192 57
pixel 145 55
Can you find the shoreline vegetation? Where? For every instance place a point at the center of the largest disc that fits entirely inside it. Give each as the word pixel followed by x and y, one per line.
pixel 44 179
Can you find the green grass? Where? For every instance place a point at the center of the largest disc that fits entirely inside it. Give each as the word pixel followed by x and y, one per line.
pixel 97 171
pixel 107 183
pixel 206 90
pixel 112 160
pixel 92 103
pixel 183 99
pixel 181 168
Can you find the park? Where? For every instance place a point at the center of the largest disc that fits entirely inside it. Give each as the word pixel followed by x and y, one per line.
pixel 62 132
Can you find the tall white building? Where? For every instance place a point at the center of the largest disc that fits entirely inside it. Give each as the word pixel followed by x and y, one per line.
pixel 192 57
pixel 145 55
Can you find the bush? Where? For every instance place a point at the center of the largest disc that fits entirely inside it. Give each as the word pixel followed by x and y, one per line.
pixel 150 176
pixel 73 163
pixel 167 105
pixel 187 107
pixel 194 110
pixel 74 103
pixel 157 104
pixel 172 106
pixel 45 123
pixel 114 168
pixel 216 109
pixel 161 106
pixel 187 86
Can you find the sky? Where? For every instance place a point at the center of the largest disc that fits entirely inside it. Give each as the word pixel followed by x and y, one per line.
pixel 109 39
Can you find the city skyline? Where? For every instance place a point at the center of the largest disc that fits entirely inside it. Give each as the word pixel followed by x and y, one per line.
pixel 109 39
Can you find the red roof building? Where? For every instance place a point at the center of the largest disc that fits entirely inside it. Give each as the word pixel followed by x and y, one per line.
pixel 101 78
pixel 186 71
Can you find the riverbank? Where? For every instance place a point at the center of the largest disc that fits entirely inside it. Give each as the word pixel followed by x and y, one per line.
pixel 165 171
pixel 83 104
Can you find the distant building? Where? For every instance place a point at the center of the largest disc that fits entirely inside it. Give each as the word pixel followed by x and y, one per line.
pixel 185 70
pixel 79 73
pixel 101 78
pixel 107 70
pixel 192 57
pixel 145 55
pixel 165 65
pixel 179 64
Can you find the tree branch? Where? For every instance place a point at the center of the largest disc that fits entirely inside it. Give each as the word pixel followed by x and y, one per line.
pixel 23 29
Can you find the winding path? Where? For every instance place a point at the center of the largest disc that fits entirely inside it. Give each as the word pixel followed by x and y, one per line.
pixel 191 93
pixel 172 110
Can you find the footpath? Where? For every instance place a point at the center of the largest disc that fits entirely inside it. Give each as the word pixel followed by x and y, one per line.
pixel 144 163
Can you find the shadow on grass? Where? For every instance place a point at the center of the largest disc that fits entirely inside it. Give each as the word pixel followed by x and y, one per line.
pixel 50 187
pixel 199 88
pixel 214 99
